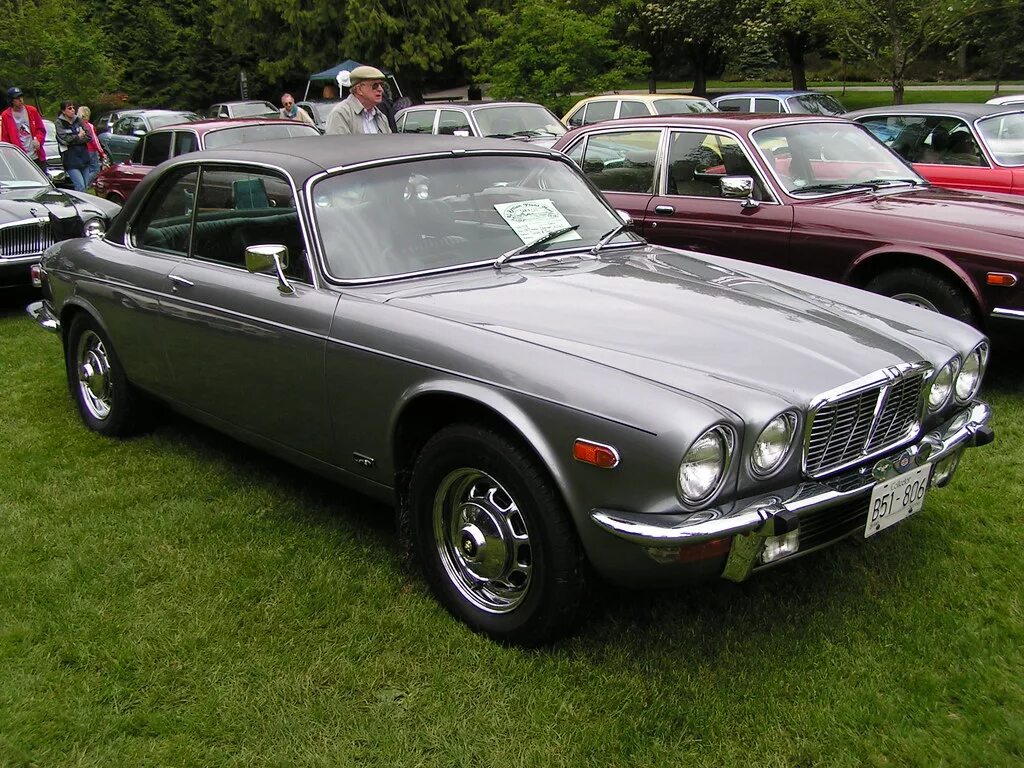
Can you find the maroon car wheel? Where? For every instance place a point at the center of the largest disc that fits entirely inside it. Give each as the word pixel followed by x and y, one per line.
pixel 925 289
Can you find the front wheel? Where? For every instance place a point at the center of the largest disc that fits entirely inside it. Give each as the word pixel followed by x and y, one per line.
pixel 926 290
pixel 494 538
pixel 106 400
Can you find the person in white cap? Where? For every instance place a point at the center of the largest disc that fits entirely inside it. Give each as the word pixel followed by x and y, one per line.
pixel 361 113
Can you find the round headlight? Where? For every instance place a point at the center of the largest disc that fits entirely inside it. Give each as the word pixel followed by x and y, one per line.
pixel 703 467
pixel 942 386
pixel 968 381
pixel 94 228
pixel 772 445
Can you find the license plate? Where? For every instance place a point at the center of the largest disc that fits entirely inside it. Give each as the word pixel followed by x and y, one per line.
pixel 897 499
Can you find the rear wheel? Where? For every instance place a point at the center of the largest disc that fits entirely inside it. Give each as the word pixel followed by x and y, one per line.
pixel 926 290
pixel 494 538
pixel 106 400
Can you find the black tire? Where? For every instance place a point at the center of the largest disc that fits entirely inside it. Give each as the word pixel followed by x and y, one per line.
pixel 494 538
pixel 106 400
pixel 925 289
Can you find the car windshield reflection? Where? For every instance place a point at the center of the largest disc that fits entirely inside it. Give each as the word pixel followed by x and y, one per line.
pixel 438 214
pixel 830 158
pixel 18 172
pixel 1004 135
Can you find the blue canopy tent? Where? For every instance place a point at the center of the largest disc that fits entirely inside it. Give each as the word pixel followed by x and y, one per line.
pixel 331 76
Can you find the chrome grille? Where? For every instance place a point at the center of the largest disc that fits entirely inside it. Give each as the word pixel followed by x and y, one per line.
pixel 871 417
pixel 26 238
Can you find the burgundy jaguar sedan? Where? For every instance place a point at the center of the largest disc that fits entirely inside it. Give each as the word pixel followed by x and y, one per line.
pixel 117 182
pixel 816 195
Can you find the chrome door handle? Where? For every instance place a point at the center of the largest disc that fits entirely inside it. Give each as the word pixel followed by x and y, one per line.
pixel 177 280
pixel 668 210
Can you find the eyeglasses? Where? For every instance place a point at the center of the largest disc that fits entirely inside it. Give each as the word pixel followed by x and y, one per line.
pixel 376 86
pixel 69 106
pixel 288 103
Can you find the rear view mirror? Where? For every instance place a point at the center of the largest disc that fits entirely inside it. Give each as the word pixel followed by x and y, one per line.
pixel 739 187
pixel 263 258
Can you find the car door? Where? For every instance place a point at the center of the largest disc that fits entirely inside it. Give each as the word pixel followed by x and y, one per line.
pixel 241 350
pixel 622 164
pixel 689 210
pixel 121 140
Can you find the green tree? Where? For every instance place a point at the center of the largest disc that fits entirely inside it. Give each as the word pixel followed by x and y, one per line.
pixel 546 50
pixel 998 31
pixel 894 33
pixel 698 29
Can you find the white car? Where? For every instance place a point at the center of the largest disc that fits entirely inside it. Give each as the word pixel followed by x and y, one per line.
pixel 1013 98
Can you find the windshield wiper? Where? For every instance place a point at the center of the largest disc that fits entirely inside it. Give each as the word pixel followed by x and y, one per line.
pixel 527 247
pixel 827 188
pixel 607 237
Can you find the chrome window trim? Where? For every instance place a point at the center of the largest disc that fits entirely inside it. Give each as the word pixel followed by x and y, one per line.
pixel 663 188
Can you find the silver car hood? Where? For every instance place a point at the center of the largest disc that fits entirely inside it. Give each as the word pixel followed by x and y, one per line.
pixel 676 319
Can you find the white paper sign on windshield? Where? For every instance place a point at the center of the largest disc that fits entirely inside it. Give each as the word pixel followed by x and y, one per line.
pixel 533 219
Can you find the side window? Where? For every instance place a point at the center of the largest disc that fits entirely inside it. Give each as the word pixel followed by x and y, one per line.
pixel 420 121
pixel 122 127
pixel 575 153
pixel 137 152
pixel 598 111
pixel 453 120
pixel 633 109
pixel 164 222
pixel 767 105
pixel 400 124
pixel 962 149
pixel 184 142
pixel 698 161
pixel 734 105
pixel 576 118
pixel 157 148
pixel 622 162
pixel 240 207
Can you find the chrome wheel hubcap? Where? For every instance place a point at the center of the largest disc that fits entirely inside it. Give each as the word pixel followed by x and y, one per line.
pixel 482 540
pixel 94 375
pixel 917 300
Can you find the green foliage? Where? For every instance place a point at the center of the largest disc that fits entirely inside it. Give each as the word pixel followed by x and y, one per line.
pixel 546 51
pixel 51 52
pixel 699 30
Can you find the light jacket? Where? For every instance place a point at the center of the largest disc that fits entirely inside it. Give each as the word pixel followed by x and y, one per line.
pixel 347 117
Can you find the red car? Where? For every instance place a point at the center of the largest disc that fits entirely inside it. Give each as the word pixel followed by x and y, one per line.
pixel 964 146
pixel 812 194
pixel 117 182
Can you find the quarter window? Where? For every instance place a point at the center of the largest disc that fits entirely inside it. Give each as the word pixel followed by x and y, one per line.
pixel 576 118
pixel 767 105
pixel 598 111
pixel 452 120
pixel 421 121
pixel 633 109
pixel 734 105
pixel 622 162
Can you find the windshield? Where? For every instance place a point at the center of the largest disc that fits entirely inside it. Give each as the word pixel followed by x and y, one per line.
pixel 682 106
pixel 1004 137
pixel 830 156
pixel 162 121
pixel 278 130
pixel 517 121
pixel 18 172
pixel 258 109
pixel 816 104
pixel 433 214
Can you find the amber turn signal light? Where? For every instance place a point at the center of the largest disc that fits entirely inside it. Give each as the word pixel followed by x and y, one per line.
pixel 603 456
pixel 1003 279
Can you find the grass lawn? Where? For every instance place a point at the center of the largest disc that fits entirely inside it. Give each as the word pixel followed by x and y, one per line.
pixel 178 599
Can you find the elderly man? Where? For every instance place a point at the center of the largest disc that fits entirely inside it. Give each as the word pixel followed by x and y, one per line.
pixel 361 112
pixel 290 111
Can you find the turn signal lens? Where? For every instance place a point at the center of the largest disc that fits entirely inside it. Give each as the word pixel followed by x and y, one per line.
pixel 603 456
pixel 1002 279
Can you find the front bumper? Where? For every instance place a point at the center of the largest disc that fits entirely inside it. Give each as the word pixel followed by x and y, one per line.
pixel 843 498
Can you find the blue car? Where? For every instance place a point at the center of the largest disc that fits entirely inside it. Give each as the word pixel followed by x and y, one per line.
pixel 797 102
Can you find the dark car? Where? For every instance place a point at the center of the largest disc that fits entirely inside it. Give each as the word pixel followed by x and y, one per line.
pixel 107 120
pixel 790 102
pixel 34 214
pixel 963 146
pixel 120 141
pixel 494 119
pixel 117 182
pixel 233 109
pixel 465 328
pixel 816 195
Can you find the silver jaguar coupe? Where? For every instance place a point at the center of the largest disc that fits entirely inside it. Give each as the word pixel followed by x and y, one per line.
pixel 466 328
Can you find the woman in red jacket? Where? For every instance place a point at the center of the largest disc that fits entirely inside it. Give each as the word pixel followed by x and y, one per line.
pixel 21 125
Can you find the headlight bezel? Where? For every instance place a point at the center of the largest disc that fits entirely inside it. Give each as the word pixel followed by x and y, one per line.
pixel 953 369
pixel 981 354
pixel 792 420
pixel 727 435
pixel 94 227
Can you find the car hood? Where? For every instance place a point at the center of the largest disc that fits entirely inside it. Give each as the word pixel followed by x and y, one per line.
pixel 988 212
pixel 676 319
pixel 18 204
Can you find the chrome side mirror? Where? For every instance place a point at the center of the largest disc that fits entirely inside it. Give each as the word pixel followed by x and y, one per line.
pixel 739 187
pixel 626 217
pixel 262 258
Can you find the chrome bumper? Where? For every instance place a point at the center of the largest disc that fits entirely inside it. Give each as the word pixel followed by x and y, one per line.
pixel 968 428
pixel 40 312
